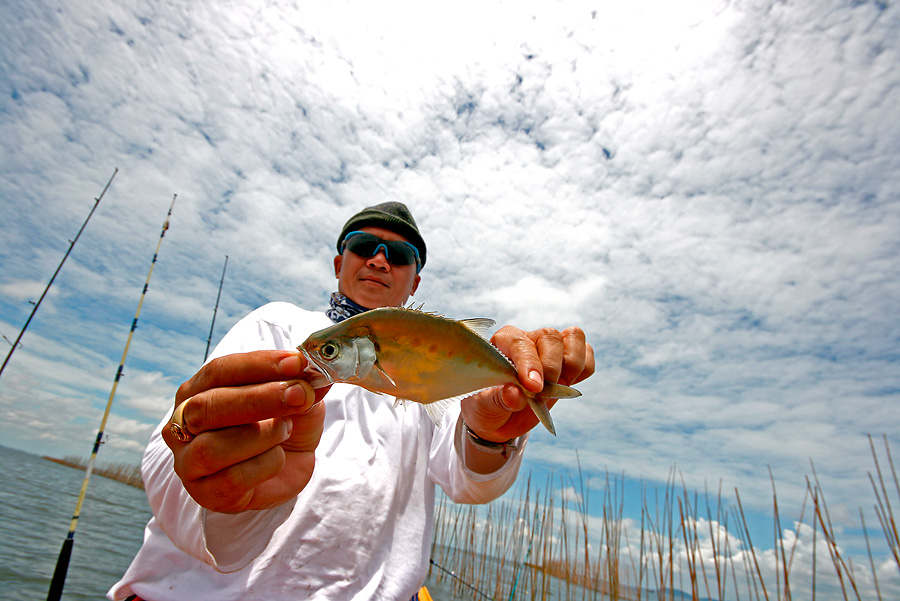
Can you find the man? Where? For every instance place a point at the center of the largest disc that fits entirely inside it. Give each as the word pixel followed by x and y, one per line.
pixel 263 487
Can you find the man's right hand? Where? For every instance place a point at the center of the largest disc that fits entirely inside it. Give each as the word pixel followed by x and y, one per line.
pixel 257 422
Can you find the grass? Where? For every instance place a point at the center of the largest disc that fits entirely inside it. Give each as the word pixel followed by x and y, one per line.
pixel 538 546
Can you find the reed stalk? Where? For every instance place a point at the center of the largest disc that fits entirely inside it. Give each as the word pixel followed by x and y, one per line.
pixel 862 520
pixel 539 544
pixel 844 575
pixel 883 508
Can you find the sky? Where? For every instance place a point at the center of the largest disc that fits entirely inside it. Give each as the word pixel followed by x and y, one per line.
pixel 709 189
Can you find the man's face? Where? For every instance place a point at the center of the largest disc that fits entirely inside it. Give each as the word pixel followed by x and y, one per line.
pixel 373 282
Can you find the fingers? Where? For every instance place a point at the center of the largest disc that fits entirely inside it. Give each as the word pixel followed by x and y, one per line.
pixel 578 357
pixel 257 483
pixel 256 423
pixel 244 388
pixel 499 414
pixel 521 348
pixel 551 352
pixel 546 355
pixel 254 466
pixel 244 368
pixel 219 408
pixel 214 451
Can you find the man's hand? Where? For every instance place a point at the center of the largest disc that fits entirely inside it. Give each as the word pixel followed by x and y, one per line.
pixel 540 356
pixel 256 422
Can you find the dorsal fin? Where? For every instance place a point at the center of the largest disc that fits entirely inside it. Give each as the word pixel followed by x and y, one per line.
pixel 479 325
pixel 413 307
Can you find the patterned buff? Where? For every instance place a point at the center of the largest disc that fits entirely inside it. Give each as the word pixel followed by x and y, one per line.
pixel 342 308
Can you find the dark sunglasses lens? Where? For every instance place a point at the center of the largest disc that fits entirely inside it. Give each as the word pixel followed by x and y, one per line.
pixel 366 245
pixel 361 244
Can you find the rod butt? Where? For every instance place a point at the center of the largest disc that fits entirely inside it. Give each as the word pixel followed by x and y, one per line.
pixel 62 567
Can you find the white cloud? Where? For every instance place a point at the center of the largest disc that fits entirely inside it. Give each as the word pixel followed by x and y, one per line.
pixel 708 190
pixel 24 290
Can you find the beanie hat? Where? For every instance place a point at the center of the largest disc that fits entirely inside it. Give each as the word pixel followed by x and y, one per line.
pixel 392 216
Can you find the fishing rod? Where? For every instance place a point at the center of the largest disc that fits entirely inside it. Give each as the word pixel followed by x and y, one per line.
pixel 66 256
pixel 62 564
pixel 218 296
pixel 461 581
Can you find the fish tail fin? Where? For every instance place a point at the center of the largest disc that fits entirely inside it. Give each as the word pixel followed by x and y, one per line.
pixel 558 391
pixel 538 402
pixel 539 406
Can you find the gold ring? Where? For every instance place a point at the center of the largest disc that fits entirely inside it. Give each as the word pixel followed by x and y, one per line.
pixel 177 427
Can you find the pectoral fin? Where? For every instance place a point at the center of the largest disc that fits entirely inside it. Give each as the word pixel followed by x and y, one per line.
pixel 377 366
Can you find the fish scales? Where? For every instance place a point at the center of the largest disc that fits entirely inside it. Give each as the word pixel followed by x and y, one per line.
pixel 431 358
pixel 419 356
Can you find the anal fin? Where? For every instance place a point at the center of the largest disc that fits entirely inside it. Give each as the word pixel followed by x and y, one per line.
pixel 437 409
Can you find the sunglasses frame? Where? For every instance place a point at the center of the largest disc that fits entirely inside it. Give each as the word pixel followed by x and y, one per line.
pixel 387 245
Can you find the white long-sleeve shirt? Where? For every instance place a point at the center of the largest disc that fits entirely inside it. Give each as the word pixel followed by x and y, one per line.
pixel 362 527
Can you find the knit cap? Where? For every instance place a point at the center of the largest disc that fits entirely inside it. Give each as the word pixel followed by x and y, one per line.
pixel 392 216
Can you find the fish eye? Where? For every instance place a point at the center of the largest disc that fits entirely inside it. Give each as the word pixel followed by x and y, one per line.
pixel 329 350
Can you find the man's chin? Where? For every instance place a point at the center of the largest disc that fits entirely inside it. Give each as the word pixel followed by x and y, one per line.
pixel 372 299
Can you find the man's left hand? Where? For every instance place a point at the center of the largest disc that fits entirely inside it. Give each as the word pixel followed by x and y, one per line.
pixel 545 355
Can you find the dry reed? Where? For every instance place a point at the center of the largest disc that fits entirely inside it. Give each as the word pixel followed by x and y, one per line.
pixel 541 545
pixel 126 473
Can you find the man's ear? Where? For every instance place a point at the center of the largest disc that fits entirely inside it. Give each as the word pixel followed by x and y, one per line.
pixel 415 284
pixel 338 261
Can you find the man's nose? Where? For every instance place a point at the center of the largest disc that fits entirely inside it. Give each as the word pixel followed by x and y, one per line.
pixel 379 260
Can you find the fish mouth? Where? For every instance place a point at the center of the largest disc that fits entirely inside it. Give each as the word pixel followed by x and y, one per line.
pixel 318 377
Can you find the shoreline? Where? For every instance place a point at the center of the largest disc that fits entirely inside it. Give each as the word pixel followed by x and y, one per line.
pixel 120 472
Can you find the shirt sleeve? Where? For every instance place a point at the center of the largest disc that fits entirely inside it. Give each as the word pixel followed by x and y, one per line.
pixel 227 542
pixel 447 466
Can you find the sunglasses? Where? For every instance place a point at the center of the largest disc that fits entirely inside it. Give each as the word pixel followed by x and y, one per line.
pixel 397 252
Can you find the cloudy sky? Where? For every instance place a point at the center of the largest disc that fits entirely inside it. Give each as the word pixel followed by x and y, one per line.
pixel 709 189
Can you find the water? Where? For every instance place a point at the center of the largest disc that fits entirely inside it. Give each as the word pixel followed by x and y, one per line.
pixel 37 499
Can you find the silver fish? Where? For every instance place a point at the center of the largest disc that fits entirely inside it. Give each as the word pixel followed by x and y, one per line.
pixel 421 357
